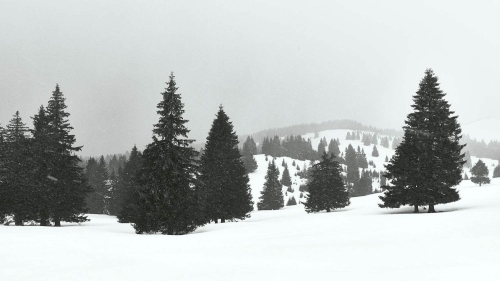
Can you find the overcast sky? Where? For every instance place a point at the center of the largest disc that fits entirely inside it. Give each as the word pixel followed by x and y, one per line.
pixel 269 63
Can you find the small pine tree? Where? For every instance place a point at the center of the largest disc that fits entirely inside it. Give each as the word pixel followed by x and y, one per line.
pixel 326 187
pixel 271 195
pixel 496 172
pixel 285 178
pixel 466 177
pixel 386 159
pixel 291 201
pixel 480 173
pixel 293 163
pixel 283 164
pixel 375 151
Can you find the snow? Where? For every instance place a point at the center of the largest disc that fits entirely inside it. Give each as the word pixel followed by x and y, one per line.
pixel 360 242
pixel 483 129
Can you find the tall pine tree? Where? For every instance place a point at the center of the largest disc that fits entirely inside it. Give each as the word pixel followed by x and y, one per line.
pixel 226 188
pixel 168 201
pixel 428 162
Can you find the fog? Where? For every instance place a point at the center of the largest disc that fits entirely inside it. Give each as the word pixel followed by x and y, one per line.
pixel 269 63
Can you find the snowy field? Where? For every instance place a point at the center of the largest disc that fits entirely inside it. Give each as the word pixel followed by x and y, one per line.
pixel 360 242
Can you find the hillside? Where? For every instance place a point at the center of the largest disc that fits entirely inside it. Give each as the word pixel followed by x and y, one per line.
pixel 484 129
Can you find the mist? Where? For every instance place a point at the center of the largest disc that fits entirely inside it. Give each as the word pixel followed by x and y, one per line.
pixel 270 64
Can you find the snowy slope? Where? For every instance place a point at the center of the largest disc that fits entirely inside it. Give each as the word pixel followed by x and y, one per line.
pixel 360 242
pixel 484 129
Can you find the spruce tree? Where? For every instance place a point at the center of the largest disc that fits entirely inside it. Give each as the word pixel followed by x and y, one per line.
pixel 428 162
pixel 364 186
pixel 249 150
pixel 167 197
pixel 333 148
pixel 326 188
pixel 227 191
pixel 480 173
pixel 127 189
pixel 352 168
pixel 271 195
pixel 97 175
pixel 285 178
pixel 16 190
pixel 496 172
pixel 375 151
pixel 291 201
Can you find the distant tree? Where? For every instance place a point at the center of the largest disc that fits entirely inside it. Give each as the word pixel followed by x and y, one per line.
pixel 271 195
pixel 285 178
pixel 333 148
pixel 466 177
pixel 326 188
pixel 496 172
pixel 321 148
pixel 352 167
pixel 386 159
pixel 361 160
pixel 291 201
pixel 127 188
pixel 226 184
pixel 97 175
pixel 363 186
pixel 384 142
pixel 366 139
pixel 375 151
pixel 480 173
pixel 374 139
pixel 283 163
pixel 249 150
pixel 348 136
pixel 383 181
pixel 168 200
pixel 293 163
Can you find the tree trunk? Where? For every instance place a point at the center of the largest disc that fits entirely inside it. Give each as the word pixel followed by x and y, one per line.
pixel 57 222
pixel 18 221
pixel 328 210
pixel 415 210
pixel 216 220
pixel 431 208
pixel 44 220
pixel 222 220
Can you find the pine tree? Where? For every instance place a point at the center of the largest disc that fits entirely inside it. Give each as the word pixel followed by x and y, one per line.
pixel 271 195
pixel 466 177
pixel 375 151
pixel 291 201
pixel 168 200
pixel 249 150
pixel 333 148
pixel 386 159
pixel 384 142
pixel 428 162
pixel 227 189
pixel 321 148
pixel 127 189
pixel 97 175
pixel 363 186
pixel 480 173
pixel 285 178
pixel 366 139
pixel 348 136
pixel 16 189
pixel 326 188
pixel 352 167
pixel 496 172
pixel 468 161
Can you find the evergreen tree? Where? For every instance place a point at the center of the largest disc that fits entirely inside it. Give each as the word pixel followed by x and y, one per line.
pixel 16 190
pixel 352 167
pixel 249 150
pixel 291 201
pixel 496 172
pixel 384 142
pixel 480 173
pixel 333 148
pixel 364 185
pixel 366 139
pixel 326 188
pixel 168 200
pixel 428 162
pixel 386 159
pixel 271 195
pixel 361 160
pixel 227 191
pixel 348 136
pixel 285 178
pixel 375 151
pixel 97 175
pixel 374 139
pixel 466 177
pixel 383 181
pixel 321 148
pixel 127 188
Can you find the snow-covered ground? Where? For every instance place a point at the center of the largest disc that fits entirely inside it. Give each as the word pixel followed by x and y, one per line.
pixel 483 129
pixel 360 242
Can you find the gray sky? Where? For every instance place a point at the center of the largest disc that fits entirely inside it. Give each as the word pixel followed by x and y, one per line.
pixel 270 63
